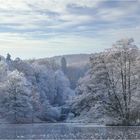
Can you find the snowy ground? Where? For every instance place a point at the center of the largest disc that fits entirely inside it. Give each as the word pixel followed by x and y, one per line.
pixel 67 131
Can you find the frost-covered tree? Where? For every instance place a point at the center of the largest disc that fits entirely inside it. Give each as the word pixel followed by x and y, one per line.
pixel 119 79
pixel 16 100
pixel 3 70
pixel 112 83
pixel 63 91
pixel 24 67
pixel 45 82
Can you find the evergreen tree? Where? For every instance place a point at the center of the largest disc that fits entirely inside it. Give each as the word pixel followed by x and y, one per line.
pixel 8 58
pixel 64 64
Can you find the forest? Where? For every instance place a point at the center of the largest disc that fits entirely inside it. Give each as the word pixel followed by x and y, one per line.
pixel 105 89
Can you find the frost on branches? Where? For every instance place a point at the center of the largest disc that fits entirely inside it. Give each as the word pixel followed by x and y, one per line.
pixel 111 86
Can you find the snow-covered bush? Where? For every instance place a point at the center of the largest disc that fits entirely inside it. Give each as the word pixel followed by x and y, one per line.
pixel 50 113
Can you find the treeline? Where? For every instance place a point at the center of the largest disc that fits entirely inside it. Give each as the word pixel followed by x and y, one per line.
pixel 109 93
pixel 32 92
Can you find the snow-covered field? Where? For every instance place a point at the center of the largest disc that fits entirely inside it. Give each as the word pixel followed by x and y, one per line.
pixel 67 131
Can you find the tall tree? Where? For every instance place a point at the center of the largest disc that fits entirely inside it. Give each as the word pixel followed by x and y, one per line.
pixel 64 64
pixel 62 85
pixel 115 75
pixel 8 58
pixel 17 101
pixel 113 82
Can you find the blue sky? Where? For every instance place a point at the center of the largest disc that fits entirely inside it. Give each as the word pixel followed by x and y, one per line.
pixel 44 28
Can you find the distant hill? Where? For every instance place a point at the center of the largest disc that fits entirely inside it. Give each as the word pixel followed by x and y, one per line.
pixel 77 65
pixel 74 59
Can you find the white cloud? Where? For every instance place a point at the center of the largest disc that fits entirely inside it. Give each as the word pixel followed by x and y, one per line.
pixel 13 5
pixel 116 13
pixel 60 6
pixel 30 13
pixel 25 47
pixel 34 15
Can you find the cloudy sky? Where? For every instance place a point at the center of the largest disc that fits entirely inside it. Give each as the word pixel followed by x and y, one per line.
pixel 43 28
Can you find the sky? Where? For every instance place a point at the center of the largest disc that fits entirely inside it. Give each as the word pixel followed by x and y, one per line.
pixel 45 28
